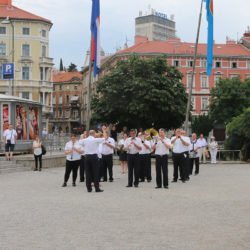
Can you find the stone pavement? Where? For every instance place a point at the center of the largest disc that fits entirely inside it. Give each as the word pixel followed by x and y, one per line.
pixel 212 211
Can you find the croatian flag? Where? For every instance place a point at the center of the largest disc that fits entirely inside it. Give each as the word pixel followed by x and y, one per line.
pixel 210 37
pixel 95 31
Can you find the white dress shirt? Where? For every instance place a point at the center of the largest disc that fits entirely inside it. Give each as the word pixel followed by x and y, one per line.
pixel 202 142
pixel 91 145
pixel 195 144
pixel 83 150
pixel 178 146
pixel 145 150
pixel 106 150
pixel 133 149
pixel 73 156
pixel 161 149
pixel 10 135
pixel 100 151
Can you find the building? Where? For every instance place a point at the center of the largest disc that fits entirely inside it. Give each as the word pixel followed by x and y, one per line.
pixel 67 102
pixel 155 26
pixel 30 51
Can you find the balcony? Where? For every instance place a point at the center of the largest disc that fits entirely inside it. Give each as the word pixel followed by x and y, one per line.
pixel 45 84
pixel 46 61
pixel 47 109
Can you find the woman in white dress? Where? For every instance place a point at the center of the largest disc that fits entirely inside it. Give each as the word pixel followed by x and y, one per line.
pixel 123 154
pixel 213 148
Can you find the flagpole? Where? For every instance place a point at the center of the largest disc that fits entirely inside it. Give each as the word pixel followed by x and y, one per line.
pixel 193 71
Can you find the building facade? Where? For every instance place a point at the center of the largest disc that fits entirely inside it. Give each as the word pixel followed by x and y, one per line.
pixel 67 102
pixel 24 38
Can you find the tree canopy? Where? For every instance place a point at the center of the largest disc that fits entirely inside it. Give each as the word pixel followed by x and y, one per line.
pixel 72 67
pixel 61 65
pixel 141 92
pixel 202 124
pixel 229 98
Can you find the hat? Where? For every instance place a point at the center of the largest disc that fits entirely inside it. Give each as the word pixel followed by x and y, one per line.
pixel 212 137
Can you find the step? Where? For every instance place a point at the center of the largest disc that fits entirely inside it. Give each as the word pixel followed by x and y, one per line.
pixel 13 170
pixel 13 165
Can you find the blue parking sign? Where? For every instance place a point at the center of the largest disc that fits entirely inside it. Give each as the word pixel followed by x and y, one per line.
pixel 8 71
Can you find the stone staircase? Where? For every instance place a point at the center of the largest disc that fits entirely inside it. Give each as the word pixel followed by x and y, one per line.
pixel 11 166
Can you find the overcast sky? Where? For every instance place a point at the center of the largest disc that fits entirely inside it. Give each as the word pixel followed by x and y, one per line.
pixel 70 34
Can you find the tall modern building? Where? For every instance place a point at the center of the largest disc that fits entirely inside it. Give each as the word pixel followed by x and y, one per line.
pixel 155 26
pixel 24 40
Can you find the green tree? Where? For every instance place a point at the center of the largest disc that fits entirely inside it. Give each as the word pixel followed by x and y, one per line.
pixel 202 124
pixel 229 98
pixel 141 93
pixel 61 65
pixel 72 67
pixel 238 131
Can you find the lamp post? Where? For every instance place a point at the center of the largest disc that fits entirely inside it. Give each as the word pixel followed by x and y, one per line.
pixel 8 21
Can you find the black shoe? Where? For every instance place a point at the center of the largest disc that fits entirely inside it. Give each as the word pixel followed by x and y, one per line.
pixel 40 169
pixel 166 187
pixel 82 180
pixel 183 181
pixel 136 185
pixel 99 190
pixel 174 181
pixel 105 180
pixel 111 180
pixel 149 180
pixel 89 190
pixel 73 184
pixel 35 169
pixel 196 173
pixel 64 184
pixel 187 179
pixel 129 186
pixel 141 180
pixel 157 187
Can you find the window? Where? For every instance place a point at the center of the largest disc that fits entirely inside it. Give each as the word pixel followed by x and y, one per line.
pixel 2 30
pixel 60 87
pixel 26 95
pixel 2 49
pixel 217 79
pixel 189 76
pixel 190 63
pixel 204 82
pixel 60 99
pixel 248 64
pixel 193 103
pixel 67 99
pixel 26 31
pixel 60 113
pixel 204 103
pixel 26 49
pixel 26 73
pixel 217 64
pixel 203 64
pixel 67 86
pixel 44 51
pixel 75 114
pixel 54 99
pixel 235 76
pixel 67 114
pixel 234 65
pixel 1 72
pixel 176 63
pixel 75 87
pixel 44 33
pixel 54 87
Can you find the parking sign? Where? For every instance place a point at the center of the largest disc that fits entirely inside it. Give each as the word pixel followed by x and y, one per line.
pixel 8 71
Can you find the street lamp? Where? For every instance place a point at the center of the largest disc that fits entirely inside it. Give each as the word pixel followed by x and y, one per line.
pixel 8 21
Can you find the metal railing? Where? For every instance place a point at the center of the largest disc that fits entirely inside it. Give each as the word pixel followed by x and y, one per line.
pixel 228 155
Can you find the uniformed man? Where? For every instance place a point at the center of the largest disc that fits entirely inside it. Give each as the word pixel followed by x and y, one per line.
pixel 194 154
pixel 133 146
pixel 91 147
pixel 179 147
pixel 186 152
pixel 73 151
pixel 82 169
pixel 161 147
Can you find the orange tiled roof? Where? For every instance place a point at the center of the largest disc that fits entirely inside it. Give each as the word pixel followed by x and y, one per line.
pixel 65 76
pixel 16 13
pixel 186 48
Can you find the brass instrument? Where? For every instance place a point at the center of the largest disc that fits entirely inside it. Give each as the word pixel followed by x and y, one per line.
pixel 151 133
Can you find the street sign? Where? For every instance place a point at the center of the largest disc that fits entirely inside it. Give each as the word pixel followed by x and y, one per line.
pixel 8 71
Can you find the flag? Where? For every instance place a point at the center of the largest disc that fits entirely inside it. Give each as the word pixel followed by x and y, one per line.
pixel 95 33
pixel 210 36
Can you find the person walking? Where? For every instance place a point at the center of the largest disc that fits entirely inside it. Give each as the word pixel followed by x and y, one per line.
pixel 213 149
pixel 194 155
pixel 123 154
pixel 37 147
pixel 203 149
pixel 9 137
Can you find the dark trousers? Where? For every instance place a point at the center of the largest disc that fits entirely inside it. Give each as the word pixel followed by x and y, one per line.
pixel 38 157
pixel 82 168
pixel 71 166
pixel 179 160
pixel 133 168
pixel 197 166
pixel 186 165
pixel 100 165
pixel 145 167
pixel 92 171
pixel 161 167
pixel 107 165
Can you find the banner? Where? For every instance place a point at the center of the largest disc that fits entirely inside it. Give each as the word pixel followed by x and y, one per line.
pixel 21 123
pixel 33 122
pixel 5 116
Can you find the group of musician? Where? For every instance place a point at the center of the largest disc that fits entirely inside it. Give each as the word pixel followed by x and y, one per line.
pixel 94 154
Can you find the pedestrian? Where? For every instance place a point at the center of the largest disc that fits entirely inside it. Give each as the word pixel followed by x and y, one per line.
pixel 37 147
pixel 82 163
pixel 145 157
pixel 107 157
pixel 161 148
pixel 186 152
pixel 213 149
pixel 44 132
pixel 194 155
pixel 123 154
pixel 179 147
pixel 9 137
pixel 203 149
pixel 113 133
pixel 91 147
pixel 133 146
pixel 73 151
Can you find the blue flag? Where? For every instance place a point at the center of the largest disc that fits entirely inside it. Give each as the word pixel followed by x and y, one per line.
pixel 210 36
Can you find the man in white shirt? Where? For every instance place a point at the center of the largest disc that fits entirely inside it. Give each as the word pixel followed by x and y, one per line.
pixel 186 152
pixel 82 164
pixel 91 146
pixel 107 157
pixel 161 147
pixel 203 149
pixel 194 154
pixel 180 144
pixel 73 151
pixel 133 146
pixel 9 137
pixel 145 158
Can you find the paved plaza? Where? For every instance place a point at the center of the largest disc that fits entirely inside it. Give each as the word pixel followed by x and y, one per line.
pixel 212 211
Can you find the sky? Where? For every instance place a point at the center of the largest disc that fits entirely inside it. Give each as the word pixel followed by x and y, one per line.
pixel 70 34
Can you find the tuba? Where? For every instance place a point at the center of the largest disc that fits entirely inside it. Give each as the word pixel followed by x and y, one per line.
pixel 151 133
